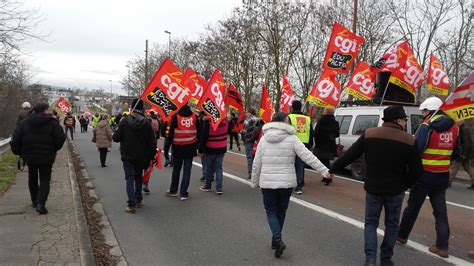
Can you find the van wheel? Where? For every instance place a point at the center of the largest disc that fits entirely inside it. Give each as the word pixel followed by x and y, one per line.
pixel 358 169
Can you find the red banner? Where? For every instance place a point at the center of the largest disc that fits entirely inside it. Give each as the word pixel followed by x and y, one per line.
pixel 266 106
pixel 361 83
pixel 438 82
pixel 326 92
pixel 343 48
pixel 393 59
pixel 234 100
pixel 287 96
pixel 460 103
pixel 166 90
pixel 63 106
pixel 212 101
pixel 196 84
pixel 409 76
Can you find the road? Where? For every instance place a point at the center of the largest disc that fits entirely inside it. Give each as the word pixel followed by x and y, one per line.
pixel 323 226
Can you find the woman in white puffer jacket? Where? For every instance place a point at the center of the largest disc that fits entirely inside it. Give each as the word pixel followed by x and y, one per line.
pixel 274 171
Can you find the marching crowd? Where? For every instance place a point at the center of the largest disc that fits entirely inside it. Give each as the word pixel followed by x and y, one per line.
pixel 277 154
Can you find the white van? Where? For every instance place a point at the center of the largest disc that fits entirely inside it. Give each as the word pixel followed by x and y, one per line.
pixel 354 120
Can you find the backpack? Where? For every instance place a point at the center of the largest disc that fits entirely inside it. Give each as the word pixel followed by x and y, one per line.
pixel 155 125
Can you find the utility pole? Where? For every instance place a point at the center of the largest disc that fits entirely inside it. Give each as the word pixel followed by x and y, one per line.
pixel 169 43
pixel 146 63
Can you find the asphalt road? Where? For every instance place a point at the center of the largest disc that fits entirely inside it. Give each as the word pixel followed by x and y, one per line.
pixel 231 229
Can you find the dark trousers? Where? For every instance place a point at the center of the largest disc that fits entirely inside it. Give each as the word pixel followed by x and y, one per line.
pixel 186 164
pixel 438 202
pixel 234 135
pixel 103 155
pixel 70 129
pixel 392 205
pixel 39 194
pixel 276 203
pixel 250 156
pixel 83 128
pixel 166 149
pixel 133 178
pixel 299 169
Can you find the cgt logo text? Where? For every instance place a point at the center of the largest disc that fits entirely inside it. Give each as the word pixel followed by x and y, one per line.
pixel 446 137
pixel 187 122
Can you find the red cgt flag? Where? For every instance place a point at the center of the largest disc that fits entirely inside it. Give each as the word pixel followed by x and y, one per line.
pixel 234 100
pixel 196 84
pixel 326 91
pixel 166 90
pixel 343 48
pixel 287 96
pixel 212 101
pixel 393 59
pixel 409 75
pixel 63 106
pixel 438 82
pixel 266 106
pixel 361 83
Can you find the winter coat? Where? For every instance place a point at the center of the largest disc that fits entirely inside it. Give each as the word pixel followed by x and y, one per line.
pixel 103 135
pixel 37 139
pixel 325 134
pixel 137 140
pixel 392 159
pixel 22 115
pixel 274 163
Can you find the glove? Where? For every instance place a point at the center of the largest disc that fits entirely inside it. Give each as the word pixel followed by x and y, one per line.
pixel 327 178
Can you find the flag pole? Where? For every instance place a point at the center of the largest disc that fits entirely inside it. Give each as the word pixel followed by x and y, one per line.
pixel 385 91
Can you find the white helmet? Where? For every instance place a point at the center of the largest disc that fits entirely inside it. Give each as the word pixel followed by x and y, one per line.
pixel 26 105
pixel 431 104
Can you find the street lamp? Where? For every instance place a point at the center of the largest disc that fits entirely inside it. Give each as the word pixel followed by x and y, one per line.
pixel 169 43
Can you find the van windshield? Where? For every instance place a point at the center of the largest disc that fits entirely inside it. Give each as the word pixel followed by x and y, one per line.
pixel 364 122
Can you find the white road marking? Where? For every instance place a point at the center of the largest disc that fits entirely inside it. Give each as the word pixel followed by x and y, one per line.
pixel 354 222
pixel 361 182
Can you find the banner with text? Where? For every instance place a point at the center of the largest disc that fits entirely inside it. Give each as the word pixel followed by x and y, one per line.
pixel 408 76
pixel 212 101
pixel 287 95
pixel 63 106
pixel 361 83
pixel 266 106
pixel 234 100
pixel 438 82
pixel 460 103
pixel 326 92
pixel 196 84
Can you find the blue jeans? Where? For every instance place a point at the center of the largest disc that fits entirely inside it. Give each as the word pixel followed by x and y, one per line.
pixel 250 156
pixel 276 203
pixel 438 202
pixel 299 168
pixel 133 178
pixel 392 205
pixel 186 164
pixel 214 165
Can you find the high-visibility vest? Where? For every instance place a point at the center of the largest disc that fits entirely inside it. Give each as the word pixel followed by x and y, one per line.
pixel 255 143
pixel 302 124
pixel 95 120
pixel 436 157
pixel 218 138
pixel 69 121
pixel 186 131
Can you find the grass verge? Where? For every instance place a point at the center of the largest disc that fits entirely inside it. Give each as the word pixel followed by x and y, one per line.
pixel 8 170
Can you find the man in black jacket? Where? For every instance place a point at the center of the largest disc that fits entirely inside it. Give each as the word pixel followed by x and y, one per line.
pixel 393 164
pixel 325 134
pixel 36 139
pixel 137 149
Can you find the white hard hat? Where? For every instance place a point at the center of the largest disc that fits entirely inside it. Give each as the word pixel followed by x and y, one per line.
pixel 431 104
pixel 26 105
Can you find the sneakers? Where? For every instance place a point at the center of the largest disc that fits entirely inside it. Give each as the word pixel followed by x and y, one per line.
pixel 41 209
pixel 219 192
pixel 298 191
pixel 129 210
pixel 387 262
pixel 370 263
pixel 205 189
pixel 171 194
pixel 183 198
pixel 440 252
pixel 202 179
pixel 138 205
pixel 145 189
pixel 168 163
pixel 471 187
pixel 279 248
pixel 402 241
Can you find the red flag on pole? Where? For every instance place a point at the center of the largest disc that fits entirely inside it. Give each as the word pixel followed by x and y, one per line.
pixel 287 95
pixel 212 101
pixel 266 106
pixel 63 106
pixel 343 48
pixel 147 174
pixel 326 91
pixel 361 83
pixel 408 76
pixel 196 84
pixel 460 103
pixel 166 90
pixel 393 59
pixel 438 82
pixel 234 100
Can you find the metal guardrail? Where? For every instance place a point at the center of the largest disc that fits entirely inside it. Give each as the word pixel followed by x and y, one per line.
pixel 4 146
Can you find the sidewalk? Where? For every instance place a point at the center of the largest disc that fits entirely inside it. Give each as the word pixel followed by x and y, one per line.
pixel 29 238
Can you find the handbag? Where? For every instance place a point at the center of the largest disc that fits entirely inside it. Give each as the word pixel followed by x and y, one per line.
pixel 339 148
pixel 94 139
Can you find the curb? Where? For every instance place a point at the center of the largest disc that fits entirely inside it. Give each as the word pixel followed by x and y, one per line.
pixel 85 247
pixel 107 231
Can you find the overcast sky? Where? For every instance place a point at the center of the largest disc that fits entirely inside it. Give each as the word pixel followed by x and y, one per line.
pixel 90 41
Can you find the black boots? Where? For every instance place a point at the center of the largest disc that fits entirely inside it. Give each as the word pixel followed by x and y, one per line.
pixel 279 248
pixel 41 209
